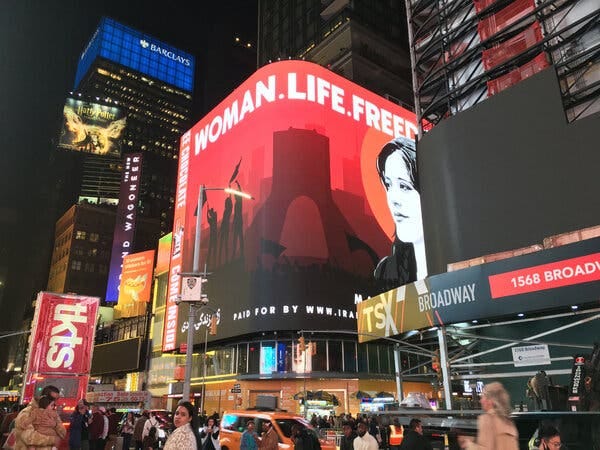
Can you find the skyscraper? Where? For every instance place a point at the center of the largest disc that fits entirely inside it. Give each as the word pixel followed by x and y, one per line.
pixel 364 41
pixel 153 83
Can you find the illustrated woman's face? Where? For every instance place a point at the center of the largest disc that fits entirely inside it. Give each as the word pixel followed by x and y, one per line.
pixel 403 199
pixel 182 416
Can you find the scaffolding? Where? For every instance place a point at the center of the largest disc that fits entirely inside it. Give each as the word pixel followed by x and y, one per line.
pixel 464 51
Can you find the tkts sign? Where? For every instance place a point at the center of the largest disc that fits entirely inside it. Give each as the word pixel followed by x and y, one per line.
pixel 62 334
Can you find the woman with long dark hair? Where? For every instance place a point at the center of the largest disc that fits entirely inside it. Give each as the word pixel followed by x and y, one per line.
pixel 185 436
pixel 397 169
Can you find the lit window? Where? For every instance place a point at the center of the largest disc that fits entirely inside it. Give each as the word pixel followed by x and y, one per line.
pixel 80 235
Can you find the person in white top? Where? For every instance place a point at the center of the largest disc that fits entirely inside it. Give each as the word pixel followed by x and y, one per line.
pixel 151 422
pixel 185 436
pixel 364 440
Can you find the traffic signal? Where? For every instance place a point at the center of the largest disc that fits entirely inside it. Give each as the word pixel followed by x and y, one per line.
pixel 313 348
pixel 435 363
pixel 213 325
pixel 301 344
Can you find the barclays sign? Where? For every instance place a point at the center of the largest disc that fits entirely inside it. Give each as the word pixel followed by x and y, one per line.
pixel 164 52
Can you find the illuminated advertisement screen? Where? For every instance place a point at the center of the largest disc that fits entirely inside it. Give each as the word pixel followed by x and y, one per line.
pixel 92 128
pixel 61 344
pixel 138 51
pixel 136 283
pixel 335 214
pixel 163 254
pixel 129 191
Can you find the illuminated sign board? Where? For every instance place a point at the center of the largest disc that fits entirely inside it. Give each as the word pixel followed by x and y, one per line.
pixel 136 284
pixel 125 223
pixel 61 344
pixel 553 278
pixel 92 128
pixel 138 51
pixel 336 209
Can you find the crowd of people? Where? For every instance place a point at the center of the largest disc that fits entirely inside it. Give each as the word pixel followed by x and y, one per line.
pixel 39 427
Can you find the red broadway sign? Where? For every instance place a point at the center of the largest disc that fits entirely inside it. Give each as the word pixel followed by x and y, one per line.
pixel 546 276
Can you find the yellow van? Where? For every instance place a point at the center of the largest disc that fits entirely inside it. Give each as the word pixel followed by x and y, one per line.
pixel 233 424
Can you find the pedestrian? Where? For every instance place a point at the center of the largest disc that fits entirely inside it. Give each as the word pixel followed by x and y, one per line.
pixel 549 438
pixel 127 429
pixel 270 440
pixel 150 442
pixel 249 439
pixel 43 415
pixel 364 440
pixel 76 424
pixel 151 422
pixel 210 435
pixel 25 433
pixel 6 421
pixel 185 436
pixel 495 429
pixel 347 440
pixel 96 429
pixel 113 429
pixel 304 439
pixel 138 430
pixel 413 437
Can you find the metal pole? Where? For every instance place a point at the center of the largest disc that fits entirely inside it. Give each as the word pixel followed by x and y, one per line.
pixel 204 371
pixel 398 367
pixel 189 352
pixel 196 268
pixel 441 332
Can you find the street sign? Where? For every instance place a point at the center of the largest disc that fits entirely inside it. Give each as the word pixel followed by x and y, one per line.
pixel 531 355
pixel 191 288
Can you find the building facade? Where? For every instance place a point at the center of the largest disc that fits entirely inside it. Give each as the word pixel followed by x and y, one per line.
pixel 153 83
pixel 364 41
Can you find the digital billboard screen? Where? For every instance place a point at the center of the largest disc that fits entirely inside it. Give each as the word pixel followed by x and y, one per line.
pixel 335 214
pixel 92 128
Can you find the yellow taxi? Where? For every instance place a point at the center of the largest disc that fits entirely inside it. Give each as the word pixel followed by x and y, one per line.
pixel 233 424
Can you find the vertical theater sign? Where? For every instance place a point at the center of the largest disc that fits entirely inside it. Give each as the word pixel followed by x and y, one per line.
pixel 61 345
pixel 322 227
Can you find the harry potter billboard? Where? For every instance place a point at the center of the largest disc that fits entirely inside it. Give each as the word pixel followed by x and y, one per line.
pixel 336 209
pixel 92 128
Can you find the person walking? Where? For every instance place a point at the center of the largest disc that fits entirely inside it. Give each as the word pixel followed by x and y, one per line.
pixel 127 429
pixel 347 440
pixel 25 433
pixel 269 440
pixel 210 435
pixel 413 437
pixel 249 439
pixel 138 430
pixel 495 429
pixel 76 424
pixel 364 440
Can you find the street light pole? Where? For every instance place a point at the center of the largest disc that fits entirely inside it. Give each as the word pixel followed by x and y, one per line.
pixel 201 299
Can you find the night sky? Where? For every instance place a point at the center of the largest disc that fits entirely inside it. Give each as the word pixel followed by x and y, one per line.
pixel 40 44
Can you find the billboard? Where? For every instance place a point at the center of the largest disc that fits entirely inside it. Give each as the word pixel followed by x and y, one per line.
pixel 163 254
pixel 336 209
pixel 136 284
pixel 543 280
pixel 125 223
pixel 92 128
pixel 62 340
pixel 138 51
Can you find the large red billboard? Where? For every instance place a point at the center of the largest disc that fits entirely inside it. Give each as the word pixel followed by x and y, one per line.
pixel 336 209
pixel 62 340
